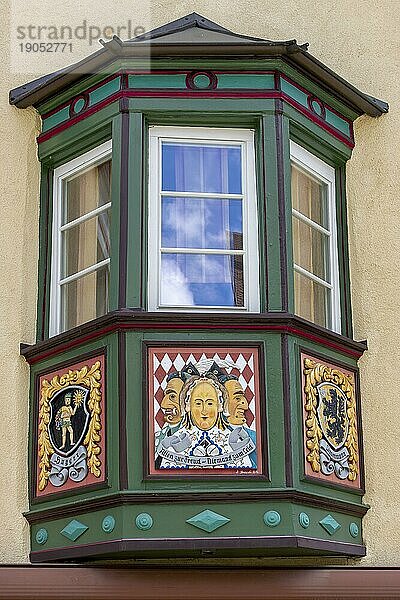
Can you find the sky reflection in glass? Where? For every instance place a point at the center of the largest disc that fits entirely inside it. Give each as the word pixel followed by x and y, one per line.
pixel 201 168
pixel 201 280
pixel 202 223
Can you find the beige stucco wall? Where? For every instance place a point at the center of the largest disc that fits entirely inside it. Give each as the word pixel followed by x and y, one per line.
pixel 360 42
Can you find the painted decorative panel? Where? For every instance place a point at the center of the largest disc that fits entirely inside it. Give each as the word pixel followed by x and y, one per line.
pixel 71 427
pixel 331 439
pixel 204 411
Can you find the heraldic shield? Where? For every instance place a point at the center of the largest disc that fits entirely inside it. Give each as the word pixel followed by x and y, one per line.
pixel 330 422
pixel 68 425
pixel 334 423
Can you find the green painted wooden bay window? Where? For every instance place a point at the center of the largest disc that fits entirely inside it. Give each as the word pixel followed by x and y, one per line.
pixel 194 382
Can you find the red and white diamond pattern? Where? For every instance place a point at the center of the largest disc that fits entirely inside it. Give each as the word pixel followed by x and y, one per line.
pixel 235 362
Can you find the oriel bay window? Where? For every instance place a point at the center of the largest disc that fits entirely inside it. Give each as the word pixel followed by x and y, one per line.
pixel 215 265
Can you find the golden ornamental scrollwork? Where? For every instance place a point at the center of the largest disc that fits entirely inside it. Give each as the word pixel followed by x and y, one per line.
pixel 330 423
pixel 84 382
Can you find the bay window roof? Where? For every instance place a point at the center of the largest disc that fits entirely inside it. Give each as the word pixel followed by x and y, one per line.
pixel 194 35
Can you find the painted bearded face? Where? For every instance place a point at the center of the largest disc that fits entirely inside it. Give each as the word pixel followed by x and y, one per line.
pixel 204 405
pixel 237 403
pixel 170 402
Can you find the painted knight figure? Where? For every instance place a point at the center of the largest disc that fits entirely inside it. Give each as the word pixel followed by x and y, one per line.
pixel 68 425
pixel 70 440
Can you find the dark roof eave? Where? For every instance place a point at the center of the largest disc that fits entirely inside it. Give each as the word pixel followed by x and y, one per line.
pixel 36 91
pixel 363 103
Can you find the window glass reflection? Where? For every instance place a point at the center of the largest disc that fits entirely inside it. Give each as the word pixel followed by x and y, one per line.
pixel 86 191
pixel 201 168
pixel 310 196
pixel 202 280
pixel 201 223
pixel 86 244
pixel 85 298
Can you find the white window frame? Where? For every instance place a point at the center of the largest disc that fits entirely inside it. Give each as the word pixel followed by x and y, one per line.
pixel 74 167
pixel 323 172
pixel 242 137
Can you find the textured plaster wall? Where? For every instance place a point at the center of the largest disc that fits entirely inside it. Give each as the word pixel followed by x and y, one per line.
pixel 358 40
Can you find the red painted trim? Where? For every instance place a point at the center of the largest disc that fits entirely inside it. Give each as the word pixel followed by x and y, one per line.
pixel 185 71
pixel 325 105
pixel 145 93
pixel 147 72
pixel 301 88
pixel 193 94
pixel 212 80
pixel 192 326
pixel 318 121
pixel 85 97
pixel 88 91
pixel 90 111
pixel 150 94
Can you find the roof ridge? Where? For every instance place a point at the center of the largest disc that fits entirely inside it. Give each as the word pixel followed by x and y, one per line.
pixel 191 20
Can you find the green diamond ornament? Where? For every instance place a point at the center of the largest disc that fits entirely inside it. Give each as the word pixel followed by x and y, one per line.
pixel 330 524
pixel 208 520
pixel 73 530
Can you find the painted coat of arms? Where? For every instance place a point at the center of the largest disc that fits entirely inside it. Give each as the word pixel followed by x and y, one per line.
pixel 331 438
pixel 204 411
pixel 71 420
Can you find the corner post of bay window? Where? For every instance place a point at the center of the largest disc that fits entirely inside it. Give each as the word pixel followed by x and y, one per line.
pixel 45 220
pixel 271 292
pixel 284 206
pixel 116 167
pixel 343 253
pixel 120 195
pixel 136 270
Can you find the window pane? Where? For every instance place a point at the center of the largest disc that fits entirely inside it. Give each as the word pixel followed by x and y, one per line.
pixel 309 196
pixel 85 244
pixel 85 298
pixel 312 300
pixel 201 223
pixel 201 168
pixel 311 249
pixel 201 280
pixel 85 192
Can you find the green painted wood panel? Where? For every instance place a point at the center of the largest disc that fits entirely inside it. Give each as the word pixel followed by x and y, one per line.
pixel 247 81
pixel 115 212
pixel 271 239
pixel 294 92
pixel 170 521
pixel 163 82
pixel 135 252
pixel 79 138
pixel 104 91
pixel 55 119
pixel 338 123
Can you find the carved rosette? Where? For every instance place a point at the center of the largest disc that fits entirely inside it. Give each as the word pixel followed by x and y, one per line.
pixel 87 378
pixel 331 438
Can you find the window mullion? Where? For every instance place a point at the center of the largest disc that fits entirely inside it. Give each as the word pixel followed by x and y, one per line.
pixel 312 276
pixel 311 223
pixel 210 195
pixel 84 272
pixel 214 251
pixel 86 217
